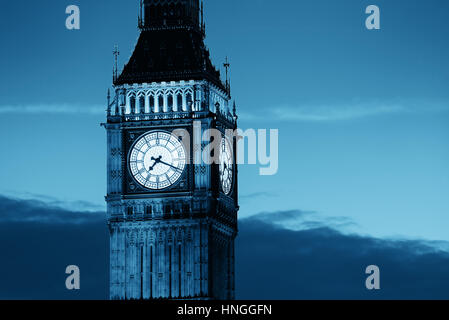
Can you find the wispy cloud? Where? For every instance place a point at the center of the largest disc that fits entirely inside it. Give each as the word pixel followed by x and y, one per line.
pixel 343 112
pixel 303 220
pixel 15 210
pixel 78 205
pixel 257 195
pixel 52 109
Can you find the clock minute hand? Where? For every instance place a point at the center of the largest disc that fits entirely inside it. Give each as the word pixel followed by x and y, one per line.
pixel 177 169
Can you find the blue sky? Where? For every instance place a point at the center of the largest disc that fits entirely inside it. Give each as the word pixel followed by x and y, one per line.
pixel 363 116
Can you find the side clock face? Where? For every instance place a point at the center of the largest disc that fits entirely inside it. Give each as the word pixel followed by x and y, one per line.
pixel 157 160
pixel 226 166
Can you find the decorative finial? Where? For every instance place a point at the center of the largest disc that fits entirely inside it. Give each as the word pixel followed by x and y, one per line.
pixel 141 14
pixel 116 53
pixel 109 102
pixel 203 25
pixel 227 65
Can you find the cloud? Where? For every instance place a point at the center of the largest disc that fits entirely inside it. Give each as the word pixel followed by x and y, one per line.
pixel 344 112
pixel 257 195
pixel 302 220
pixel 38 241
pixel 323 263
pixel 37 211
pixel 52 109
pixel 77 206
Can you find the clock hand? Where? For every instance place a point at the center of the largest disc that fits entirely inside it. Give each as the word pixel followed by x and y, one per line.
pixel 177 169
pixel 156 161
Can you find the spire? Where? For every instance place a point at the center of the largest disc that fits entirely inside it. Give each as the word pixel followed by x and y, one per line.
pixel 234 110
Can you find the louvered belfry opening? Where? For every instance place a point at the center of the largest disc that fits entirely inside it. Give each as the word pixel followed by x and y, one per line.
pixel 170 13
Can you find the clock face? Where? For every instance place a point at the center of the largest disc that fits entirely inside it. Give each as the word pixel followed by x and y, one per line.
pixel 157 160
pixel 226 166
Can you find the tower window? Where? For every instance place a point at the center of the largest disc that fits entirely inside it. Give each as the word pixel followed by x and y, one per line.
pixel 186 62
pixel 152 104
pixel 163 50
pixel 142 104
pixel 130 211
pixel 179 48
pixel 167 209
pixel 132 104
pixel 161 102
pixel 170 102
pixel 179 102
pixel 179 271
pixel 189 100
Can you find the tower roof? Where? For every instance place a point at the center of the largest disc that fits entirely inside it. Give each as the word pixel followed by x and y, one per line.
pixel 170 49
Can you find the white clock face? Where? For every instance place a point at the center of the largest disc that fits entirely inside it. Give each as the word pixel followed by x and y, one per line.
pixel 157 160
pixel 226 166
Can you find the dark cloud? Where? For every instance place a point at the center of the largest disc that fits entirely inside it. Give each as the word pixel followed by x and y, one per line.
pixel 37 242
pixel 44 212
pixel 301 219
pixel 322 263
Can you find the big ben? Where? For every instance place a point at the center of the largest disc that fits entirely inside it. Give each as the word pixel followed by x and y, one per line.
pixel 172 220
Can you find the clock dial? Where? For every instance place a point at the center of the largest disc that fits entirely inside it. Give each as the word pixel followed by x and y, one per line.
pixel 157 160
pixel 226 166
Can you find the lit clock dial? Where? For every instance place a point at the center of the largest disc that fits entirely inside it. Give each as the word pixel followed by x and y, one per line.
pixel 226 166
pixel 157 160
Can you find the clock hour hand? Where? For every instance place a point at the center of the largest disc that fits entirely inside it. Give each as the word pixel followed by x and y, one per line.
pixel 156 161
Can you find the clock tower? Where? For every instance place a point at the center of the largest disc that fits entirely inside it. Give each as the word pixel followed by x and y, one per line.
pixel 172 220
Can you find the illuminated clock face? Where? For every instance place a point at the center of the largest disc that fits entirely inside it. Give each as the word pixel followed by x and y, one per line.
pixel 226 166
pixel 157 160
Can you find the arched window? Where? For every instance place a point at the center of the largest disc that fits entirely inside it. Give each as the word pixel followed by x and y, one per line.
pixel 170 102
pixel 152 104
pixel 163 49
pixel 132 104
pixel 179 102
pixel 189 101
pixel 142 104
pixel 169 62
pixel 161 103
